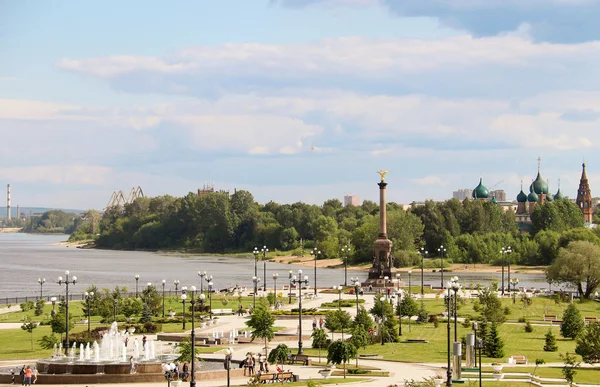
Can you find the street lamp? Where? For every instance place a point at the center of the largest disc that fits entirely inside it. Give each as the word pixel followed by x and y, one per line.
pixel 255 252
pixel 228 353
pixel 201 275
pixel 385 283
pixel 399 307
pixel 356 290
pixel 300 281
pixel 453 286
pixel 193 365
pixel 317 254
pixel 503 252
pixel 264 251
pixel 508 261
pixel 423 254
pixel 479 344
pixel 163 303
pixel 409 282
pixel 346 251
pixel 115 301
pixel 441 252
pixel 290 276
pixel 475 326
pixel 382 327
pixel 339 289
pixel 183 298
pixel 88 299
pixel 456 287
pixel 275 276
pixel 67 282
pixel 514 282
pixel 137 278
pixel 210 292
pixel 208 279
pixel 41 281
pixel 255 280
pixel 176 283
pixel 53 300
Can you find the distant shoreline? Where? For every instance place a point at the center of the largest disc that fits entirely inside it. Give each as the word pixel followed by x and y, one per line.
pixel 10 229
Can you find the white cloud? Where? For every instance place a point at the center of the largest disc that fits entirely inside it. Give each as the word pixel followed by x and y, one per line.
pixel 430 180
pixel 58 174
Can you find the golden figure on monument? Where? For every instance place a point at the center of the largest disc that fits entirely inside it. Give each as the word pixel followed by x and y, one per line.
pixel 382 173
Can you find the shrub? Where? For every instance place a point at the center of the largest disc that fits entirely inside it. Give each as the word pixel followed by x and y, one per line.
pixel 506 311
pixel 522 320
pixel 151 328
pixel 550 342
pixel 572 322
pixel 528 327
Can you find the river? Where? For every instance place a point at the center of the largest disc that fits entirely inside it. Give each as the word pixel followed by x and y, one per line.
pixel 26 257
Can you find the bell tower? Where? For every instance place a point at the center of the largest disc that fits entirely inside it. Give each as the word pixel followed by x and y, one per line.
pixel 584 197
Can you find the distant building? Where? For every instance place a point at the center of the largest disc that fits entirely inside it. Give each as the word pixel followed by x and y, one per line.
pixel 351 200
pixel 206 189
pixel 499 194
pixel 462 194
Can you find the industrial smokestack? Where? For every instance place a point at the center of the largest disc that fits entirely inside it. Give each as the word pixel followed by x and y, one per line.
pixel 8 202
pixel 18 212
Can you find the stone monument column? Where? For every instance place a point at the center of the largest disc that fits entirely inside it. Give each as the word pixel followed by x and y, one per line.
pixel 382 246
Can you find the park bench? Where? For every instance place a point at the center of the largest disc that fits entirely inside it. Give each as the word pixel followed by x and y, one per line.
pixel 588 320
pixel 559 322
pixel 218 312
pixel 303 359
pixel 519 360
pixel 284 377
pixel 550 317
pixel 410 341
pixel 263 378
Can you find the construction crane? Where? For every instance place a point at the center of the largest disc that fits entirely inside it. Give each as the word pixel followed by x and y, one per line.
pixel 118 199
pixel 495 185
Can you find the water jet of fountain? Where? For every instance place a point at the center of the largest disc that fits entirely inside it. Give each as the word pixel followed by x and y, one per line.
pixel 87 351
pixel 81 352
pixel 96 352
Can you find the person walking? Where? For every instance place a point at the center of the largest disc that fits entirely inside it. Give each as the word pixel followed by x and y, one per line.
pixel 321 323
pixel 22 375
pixel 35 374
pixel 314 323
pixel 12 376
pixel 144 339
pixel 131 365
pixel 28 376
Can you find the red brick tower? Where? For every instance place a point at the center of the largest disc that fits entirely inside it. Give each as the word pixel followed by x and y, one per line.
pixel 584 197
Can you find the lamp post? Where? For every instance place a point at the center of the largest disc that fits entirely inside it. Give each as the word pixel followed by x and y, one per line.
pixel 88 299
pixel 339 290
pixel 479 344
pixel 316 253
pixel 255 252
pixel 382 327
pixel 176 283
pixel 137 279
pixel 255 280
pixel 208 279
pixel 503 252
pixel 385 283
pixel 442 251
pixel 423 254
pixel 409 282
pixel 300 281
pixel 115 301
pixel 456 286
pixel 514 282
pixel 53 300
pixel 399 307
pixel 475 326
pixel 264 250
pixel 163 303
pixel 345 251
pixel 183 293
pixel 210 292
pixel 228 353
pixel 275 276
pixel 193 365
pixel 356 290
pixel 508 262
pixel 202 274
pixel 41 281
pixel 67 282
pixel 290 275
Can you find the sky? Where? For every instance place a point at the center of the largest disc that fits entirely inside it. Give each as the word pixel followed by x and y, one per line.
pixel 295 100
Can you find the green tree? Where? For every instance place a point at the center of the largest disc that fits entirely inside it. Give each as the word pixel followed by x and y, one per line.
pixel 572 322
pixel 570 367
pixel 588 343
pixel 185 350
pixel 492 310
pixel 319 338
pixel 408 307
pixel 559 216
pixel 577 264
pixel 363 318
pixel 338 320
pixel 383 309
pixel 550 343
pixel 340 352
pixel 360 338
pixel 280 354
pixel 494 344
pixel 261 322
pixel 29 326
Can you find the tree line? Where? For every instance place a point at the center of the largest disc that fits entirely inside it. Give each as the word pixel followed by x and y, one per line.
pixel 470 231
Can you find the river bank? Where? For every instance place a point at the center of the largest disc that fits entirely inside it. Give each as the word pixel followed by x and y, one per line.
pixel 10 229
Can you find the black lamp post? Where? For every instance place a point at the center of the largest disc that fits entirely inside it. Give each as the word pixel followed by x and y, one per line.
pixel 275 276
pixel 317 254
pixel 409 282
pixel 115 301
pixel 137 279
pixel 503 252
pixel 479 344
pixel 208 279
pixel 53 300
pixel 193 335
pixel 507 253
pixel 455 288
pixel 265 251
pixel 514 282
pixel 300 281
pixel 228 353
pixel 41 281
pixel 449 312
pixel 202 275
pixel 423 254
pixel 290 275
pixel 382 327
pixel 210 292
pixel 356 290
pixel 255 280
pixel 176 283
pixel 345 251
pixel 67 282
pixel 183 293
pixel 339 290
pixel 441 252
pixel 88 299
pixel 399 307
pixel 475 326
pixel 163 303
pixel 255 252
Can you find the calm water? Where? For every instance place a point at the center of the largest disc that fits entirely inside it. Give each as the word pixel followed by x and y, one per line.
pixel 26 257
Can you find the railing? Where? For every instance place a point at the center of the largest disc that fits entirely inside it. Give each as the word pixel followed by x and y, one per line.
pixel 73 297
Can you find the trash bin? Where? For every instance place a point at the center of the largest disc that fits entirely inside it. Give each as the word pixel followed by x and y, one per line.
pixel 296 378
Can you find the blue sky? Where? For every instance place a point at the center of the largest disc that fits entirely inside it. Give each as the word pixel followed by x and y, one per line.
pixel 295 99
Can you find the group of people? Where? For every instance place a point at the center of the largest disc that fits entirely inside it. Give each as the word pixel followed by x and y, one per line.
pixel 28 375
pixel 321 322
pixel 250 362
pixel 178 372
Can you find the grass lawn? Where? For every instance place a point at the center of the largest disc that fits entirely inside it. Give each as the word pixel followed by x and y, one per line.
pixel 584 375
pixel 324 381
